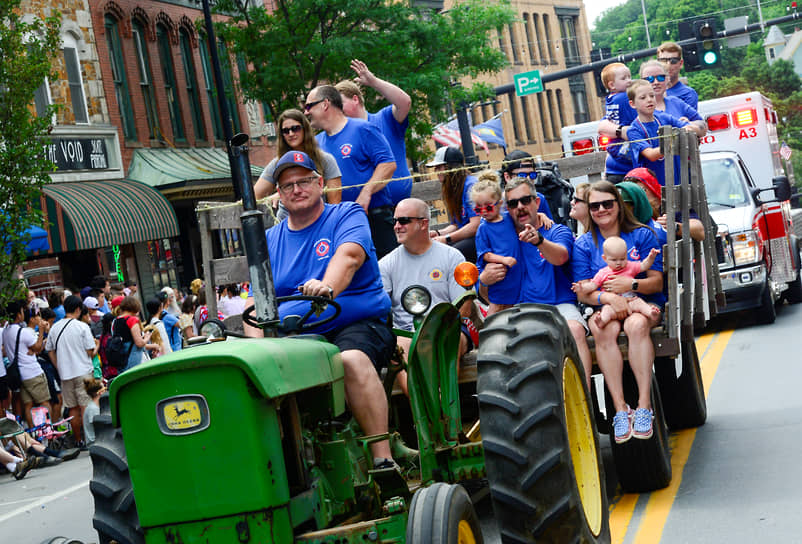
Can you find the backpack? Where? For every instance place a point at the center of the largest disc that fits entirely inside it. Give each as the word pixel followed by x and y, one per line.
pixel 117 352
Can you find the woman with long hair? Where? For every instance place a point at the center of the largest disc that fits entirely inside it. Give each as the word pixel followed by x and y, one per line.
pixel 610 217
pixel 297 135
pixel 579 208
pixel 456 184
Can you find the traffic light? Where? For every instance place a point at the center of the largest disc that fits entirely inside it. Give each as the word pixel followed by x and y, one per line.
pixel 690 55
pixel 707 47
pixel 599 54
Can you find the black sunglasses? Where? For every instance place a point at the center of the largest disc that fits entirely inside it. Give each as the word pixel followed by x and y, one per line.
pixel 404 220
pixel 293 128
pixel 530 175
pixel 513 202
pixel 606 204
pixel 311 105
pixel 576 200
pixel 670 60
pixel 650 79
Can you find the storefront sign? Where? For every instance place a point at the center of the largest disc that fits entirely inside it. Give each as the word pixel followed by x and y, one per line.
pixel 78 153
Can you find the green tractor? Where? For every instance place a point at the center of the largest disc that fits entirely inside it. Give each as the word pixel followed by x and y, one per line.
pixel 250 440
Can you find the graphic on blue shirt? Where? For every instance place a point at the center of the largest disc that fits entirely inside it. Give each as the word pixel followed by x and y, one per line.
pixel 618 110
pixel 358 148
pixel 298 256
pixel 501 238
pixel 645 135
pixel 395 133
pixel 543 282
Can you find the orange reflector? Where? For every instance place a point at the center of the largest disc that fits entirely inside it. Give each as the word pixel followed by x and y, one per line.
pixel 744 118
pixel 466 274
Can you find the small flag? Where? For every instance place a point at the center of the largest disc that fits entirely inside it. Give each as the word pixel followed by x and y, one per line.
pixel 785 151
pixel 492 132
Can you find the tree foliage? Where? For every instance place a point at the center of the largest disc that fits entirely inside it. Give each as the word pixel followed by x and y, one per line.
pixel 27 48
pixel 304 43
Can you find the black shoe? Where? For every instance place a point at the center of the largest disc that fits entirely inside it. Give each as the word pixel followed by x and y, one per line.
pixel 82 446
pixel 69 454
pixel 49 461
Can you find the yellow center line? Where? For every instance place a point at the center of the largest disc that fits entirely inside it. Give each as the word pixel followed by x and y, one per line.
pixel 658 507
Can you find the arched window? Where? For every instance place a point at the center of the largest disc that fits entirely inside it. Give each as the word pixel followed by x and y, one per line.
pixel 170 87
pixel 192 84
pixel 214 110
pixel 118 75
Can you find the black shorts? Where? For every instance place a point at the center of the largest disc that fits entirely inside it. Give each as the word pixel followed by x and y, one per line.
pixel 370 336
pixel 4 391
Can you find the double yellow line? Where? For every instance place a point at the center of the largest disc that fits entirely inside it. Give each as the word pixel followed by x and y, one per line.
pixel 649 530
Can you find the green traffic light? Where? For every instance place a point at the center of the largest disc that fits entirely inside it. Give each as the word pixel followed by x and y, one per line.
pixel 710 57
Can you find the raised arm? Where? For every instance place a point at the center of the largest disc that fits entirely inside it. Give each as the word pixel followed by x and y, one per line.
pixel 394 94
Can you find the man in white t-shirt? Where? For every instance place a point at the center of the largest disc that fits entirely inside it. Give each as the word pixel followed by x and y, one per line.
pixel 71 347
pixel 5 392
pixel 34 388
pixel 420 261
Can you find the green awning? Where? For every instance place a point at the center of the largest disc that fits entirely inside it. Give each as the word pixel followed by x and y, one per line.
pixel 93 214
pixel 159 167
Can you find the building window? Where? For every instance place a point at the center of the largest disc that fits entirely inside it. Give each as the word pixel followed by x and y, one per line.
pixel 560 106
pixel 146 79
pixel 516 120
pixel 549 43
pixel 41 99
pixel 530 42
pixel 580 99
pixel 536 24
pixel 228 86
pixel 543 122
pixel 514 43
pixel 214 110
pixel 569 40
pixel 170 87
pixel 77 96
pixel 500 31
pixel 192 85
pixel 527 131
pixel 555 127
pixel 120 80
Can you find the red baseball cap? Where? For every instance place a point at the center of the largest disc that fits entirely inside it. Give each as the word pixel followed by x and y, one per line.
pixel 645 176
pixel 116 301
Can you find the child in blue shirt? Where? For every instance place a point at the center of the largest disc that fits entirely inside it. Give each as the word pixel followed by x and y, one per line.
pixel 616 78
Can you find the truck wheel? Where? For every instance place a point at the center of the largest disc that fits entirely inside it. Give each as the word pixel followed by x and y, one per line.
pixel 766 313
pixel 443 514
pixel 642 465
pixel 684 405
pixel 794 293
pixel 541 447
pixel 115 518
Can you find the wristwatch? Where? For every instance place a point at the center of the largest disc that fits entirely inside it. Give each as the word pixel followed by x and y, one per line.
pixel 634 285
pixel 618 131
pixel 448 239
pixel 540 239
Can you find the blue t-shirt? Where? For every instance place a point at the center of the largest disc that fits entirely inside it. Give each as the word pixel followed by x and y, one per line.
pixel 395 132
pixel 467 204
pixel 501 238
pixel 587 257
pixel 543 282
pixel 173 332
pixel 684 93
pixel 645 135
pixel 298 256
pixel 618 110
pixel 677 108
pixel 60 313
pixel 358 148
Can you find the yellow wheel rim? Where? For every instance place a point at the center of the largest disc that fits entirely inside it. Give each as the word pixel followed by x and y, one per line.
pixel 465 533
pixel 582 445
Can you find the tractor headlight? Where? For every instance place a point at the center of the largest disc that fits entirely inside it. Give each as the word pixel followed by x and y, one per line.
pixel 416 299
pixel 745 248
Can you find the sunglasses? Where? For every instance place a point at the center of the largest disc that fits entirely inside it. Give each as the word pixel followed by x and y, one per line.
pixel 606 204
pixel 650 79
pixel 311 105
pixel 530 175
pixel 304 183
pixel 576 200
pixel 294 128
pixel 404 220
pixel 670 60
pixel 487 208
pixel 513 202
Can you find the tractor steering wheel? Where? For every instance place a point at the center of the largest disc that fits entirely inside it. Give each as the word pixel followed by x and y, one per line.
pixel 296 324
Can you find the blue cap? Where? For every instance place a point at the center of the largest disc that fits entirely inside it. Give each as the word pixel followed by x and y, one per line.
pixel 293 158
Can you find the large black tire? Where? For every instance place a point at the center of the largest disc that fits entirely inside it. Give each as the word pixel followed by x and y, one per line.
pixel 442 514
pixel 642 465
pixel 541 447
pixel 766 314
pixel 793 295
pixel 115 518
pixel 683 397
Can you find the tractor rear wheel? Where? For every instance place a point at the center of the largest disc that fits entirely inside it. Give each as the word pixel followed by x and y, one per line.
pixel 442 514
pixel 115 518
pixel 541 447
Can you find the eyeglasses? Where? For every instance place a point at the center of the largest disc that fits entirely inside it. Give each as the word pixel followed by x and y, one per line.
pixel 606 204
pixel 576 200
pixel 530 175
pixel 293 128
pixel 513 202
pixel 486 208
pixel 308 106
pixel 404 220
pixel 650 79
pixel 302 184
pixel 670 60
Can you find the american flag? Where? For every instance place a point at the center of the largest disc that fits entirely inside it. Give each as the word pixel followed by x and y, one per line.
pixel 446 135
pixel 785 151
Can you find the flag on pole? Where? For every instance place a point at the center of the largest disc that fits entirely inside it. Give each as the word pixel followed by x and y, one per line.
pixel 785 151
pixel 448 134
pixel 492 132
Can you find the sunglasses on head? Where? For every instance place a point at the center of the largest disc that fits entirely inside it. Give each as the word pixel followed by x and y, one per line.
pixel 513 202
pixel 530 175
pixel 670 60
pixel 404 220
pixel 650 79
pixel 486 208
pixel 606 204
pixel 293 128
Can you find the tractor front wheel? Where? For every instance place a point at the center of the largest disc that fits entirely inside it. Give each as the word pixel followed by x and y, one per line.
pixel 442 514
